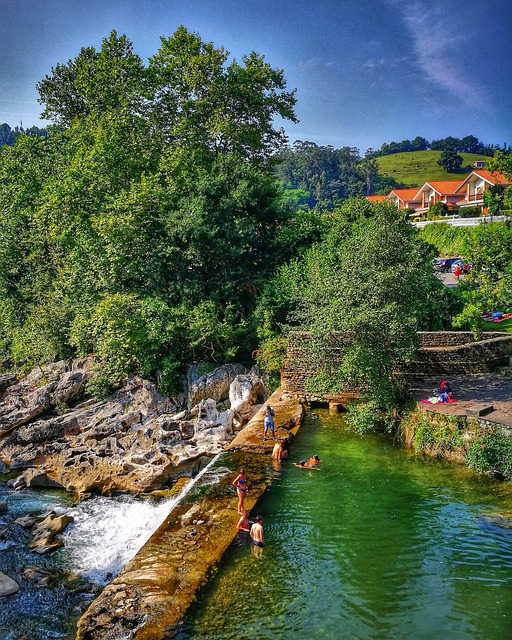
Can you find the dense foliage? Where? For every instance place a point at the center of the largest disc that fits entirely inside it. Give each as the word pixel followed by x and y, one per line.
pixel 360 294
pixel 143 227
pixel 324 177
pixel 486 450
pixel 468 144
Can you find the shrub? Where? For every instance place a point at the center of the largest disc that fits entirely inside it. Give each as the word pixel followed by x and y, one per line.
pixel 437 209
pixel 433 435
pixel 363 418
pixel 469 212
pixel 491 452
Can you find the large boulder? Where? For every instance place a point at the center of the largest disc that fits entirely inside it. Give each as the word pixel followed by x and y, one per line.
pixel 214 385
pixel 246 394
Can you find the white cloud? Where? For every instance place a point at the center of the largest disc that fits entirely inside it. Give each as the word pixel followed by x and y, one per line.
pixel 436 39
pixel 314 63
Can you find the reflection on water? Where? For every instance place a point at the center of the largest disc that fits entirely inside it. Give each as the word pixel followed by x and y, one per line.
pixel 377 545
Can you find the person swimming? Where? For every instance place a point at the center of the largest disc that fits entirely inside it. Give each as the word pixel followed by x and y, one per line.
pixel 305 465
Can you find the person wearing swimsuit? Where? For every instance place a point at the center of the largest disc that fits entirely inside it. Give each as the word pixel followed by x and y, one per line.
pixel 240 482
pixel 256 534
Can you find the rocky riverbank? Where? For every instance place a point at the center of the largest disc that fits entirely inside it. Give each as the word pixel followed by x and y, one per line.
pixel 53 435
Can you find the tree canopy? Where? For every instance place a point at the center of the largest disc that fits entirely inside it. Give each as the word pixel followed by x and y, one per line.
pixel 450 160
pixel 142 228
pixel 362 291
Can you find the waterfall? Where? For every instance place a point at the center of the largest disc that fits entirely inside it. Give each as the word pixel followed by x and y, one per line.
pixel 108 532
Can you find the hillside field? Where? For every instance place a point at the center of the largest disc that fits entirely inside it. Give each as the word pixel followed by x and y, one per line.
pixel 414 168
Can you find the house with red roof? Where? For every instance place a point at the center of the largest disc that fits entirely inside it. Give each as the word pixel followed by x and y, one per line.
pixel 404 198
pixel 475 185
pixel 376 198
pixel 437 191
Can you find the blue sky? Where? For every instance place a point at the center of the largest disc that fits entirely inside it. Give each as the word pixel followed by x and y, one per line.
pixel 366 71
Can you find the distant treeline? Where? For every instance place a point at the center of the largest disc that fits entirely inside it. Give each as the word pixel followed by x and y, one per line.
pixel 323 177
pixel 468 144
pixel 8 135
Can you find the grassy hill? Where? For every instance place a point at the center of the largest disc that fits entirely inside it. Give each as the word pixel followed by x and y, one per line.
pixel 414 168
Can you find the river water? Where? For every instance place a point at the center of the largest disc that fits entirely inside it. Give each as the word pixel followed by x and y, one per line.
pixel 377 545
pixel 106 533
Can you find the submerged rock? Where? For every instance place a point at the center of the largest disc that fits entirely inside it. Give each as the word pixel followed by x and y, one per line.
pixel 8 586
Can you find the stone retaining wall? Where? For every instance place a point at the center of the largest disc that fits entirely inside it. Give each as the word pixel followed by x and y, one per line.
pixel 440 353
pixel 465 358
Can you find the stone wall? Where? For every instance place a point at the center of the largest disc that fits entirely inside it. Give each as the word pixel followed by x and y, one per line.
pixel 453 338
pixel 440 353
pixel 444 353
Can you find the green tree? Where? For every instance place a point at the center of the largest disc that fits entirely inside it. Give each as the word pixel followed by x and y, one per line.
pixel 154 197
pixel 494 199
pixel 329 175
pixel 369 168
pixel 450 160
pixel 437 209
pixel 95 82
pixel 488 288
pixel 361 294
pixel 501 162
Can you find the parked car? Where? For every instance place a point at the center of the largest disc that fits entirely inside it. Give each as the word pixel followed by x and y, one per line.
pixel 461 265
pixel 444 264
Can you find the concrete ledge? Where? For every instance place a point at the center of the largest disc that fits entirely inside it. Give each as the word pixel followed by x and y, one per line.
pixel 478 410
pixel 289 415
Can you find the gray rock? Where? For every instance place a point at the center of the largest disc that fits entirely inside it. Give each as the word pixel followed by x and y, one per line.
pixel 214 385
pixel 3 506
pixel 27 522
pixel 133 441
pixel 246 391
pixel 19 483
pixel 7 585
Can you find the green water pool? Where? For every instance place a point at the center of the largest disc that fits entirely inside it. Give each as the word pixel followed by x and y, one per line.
pixel 378 544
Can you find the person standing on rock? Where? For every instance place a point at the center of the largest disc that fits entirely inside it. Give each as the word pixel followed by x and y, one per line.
pixel 240 482
pixel 268 422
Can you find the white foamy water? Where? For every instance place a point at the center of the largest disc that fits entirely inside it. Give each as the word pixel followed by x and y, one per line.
pixel 108 532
